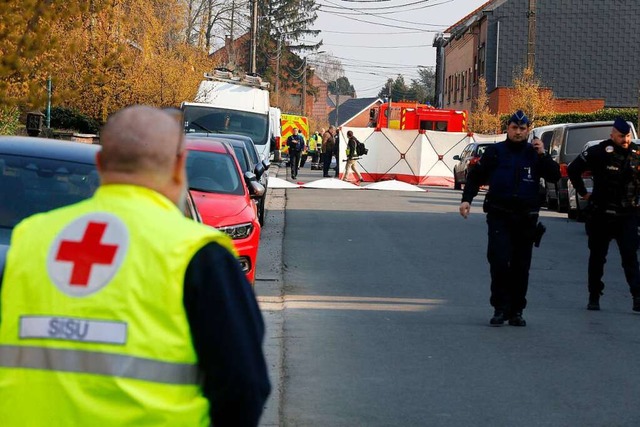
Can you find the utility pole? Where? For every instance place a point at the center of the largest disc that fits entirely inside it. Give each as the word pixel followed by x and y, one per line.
pixel 254 35
pixel 49 102
pixel 531 38
pixel 278 69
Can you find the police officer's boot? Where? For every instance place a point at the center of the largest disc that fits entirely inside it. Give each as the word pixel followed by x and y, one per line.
pixel 517 320
pixel 594 301
pixel 498 318
pixel 636 303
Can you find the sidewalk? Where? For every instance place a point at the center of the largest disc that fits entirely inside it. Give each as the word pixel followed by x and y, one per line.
pixel 268 288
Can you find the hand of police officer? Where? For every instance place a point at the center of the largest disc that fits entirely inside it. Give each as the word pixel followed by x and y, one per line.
pixel 538 145
pixel 465 207
pixel 586 196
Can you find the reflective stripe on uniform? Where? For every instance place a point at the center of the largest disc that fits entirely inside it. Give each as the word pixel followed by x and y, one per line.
pixel 92 362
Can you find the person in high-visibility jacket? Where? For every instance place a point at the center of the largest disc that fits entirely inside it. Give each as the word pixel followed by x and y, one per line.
pixel 119 311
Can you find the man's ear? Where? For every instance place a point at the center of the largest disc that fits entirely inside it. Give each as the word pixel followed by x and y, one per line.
pixel 180 168
pixel 99 162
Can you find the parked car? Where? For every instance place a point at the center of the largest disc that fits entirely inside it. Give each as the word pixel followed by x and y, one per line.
pixel 38 175
pixel 223 193
pixel 466 161
pixel 567 142
pixel 260 165
pixel 577 203
pixel 544 133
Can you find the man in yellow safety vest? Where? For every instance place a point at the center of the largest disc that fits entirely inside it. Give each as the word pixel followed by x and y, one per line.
pixel 119 311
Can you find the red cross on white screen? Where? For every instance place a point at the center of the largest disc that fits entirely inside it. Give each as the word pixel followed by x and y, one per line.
pixel 86 252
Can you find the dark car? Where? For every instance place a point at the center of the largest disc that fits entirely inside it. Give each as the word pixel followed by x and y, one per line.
pixel 466 161
pixel 260 166
pixel 38 175
pixel 567 142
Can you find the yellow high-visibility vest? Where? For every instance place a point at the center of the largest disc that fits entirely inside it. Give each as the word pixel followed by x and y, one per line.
pixel 93 331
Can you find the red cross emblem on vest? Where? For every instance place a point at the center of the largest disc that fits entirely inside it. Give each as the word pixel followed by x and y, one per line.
pixel 87 253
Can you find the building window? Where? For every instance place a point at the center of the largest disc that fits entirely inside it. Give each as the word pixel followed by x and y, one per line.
pixel 469 89
pixel 475 70
pixel 481 60
pixel 449 92
pixel 463 85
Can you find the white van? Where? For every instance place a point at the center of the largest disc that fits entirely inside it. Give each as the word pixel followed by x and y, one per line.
pixel 229 105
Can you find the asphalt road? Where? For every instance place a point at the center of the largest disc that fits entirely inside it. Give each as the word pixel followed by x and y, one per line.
pixel 377 315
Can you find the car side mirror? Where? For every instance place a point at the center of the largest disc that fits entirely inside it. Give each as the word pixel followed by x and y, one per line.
pixel 256 190
pixel 456 157
pixel 266 163
pixel 259 170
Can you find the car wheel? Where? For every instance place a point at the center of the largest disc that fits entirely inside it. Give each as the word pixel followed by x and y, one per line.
pixel 263 201
pixel 572 213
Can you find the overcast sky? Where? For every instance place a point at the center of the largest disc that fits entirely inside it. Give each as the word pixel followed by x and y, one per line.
pixel 378 39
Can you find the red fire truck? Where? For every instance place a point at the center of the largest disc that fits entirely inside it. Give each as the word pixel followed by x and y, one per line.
pixel 411 115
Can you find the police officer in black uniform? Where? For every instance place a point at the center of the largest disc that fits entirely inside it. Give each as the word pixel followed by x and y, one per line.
pixel 612 207
pixel 512 169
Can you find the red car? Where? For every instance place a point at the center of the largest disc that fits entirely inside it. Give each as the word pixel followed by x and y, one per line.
pixel 224 196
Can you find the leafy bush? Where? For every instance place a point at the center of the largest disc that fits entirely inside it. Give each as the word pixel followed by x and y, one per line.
pixel 9 120
pixel 69 118
pixel 629 114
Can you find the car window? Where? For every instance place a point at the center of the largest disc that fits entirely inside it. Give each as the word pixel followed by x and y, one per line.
pixel 30 185
pixel 221 120
pixel 466 151
pixel 213 173
pixel 577 137
pixel 242 159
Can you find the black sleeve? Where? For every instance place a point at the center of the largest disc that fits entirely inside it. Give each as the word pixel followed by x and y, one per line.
pixel 549 168
pixel 575 170
pixel 227 331
pixel 480 173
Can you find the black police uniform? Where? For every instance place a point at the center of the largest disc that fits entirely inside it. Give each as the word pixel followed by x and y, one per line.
pixel 611 211
pixel 513 171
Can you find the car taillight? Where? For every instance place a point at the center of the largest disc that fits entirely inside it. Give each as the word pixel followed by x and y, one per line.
pixel 563 170
pixel 278 143
pixel 474 160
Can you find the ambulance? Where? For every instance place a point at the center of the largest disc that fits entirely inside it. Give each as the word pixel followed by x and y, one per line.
pixel 287 123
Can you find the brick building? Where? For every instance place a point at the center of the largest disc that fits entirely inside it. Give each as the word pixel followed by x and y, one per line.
pixel 585 51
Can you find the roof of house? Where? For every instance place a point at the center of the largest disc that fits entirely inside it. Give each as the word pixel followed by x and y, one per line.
pixel 463 23
pixel 350 109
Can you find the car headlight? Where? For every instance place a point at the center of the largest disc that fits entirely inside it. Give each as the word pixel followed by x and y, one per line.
pixel 240 231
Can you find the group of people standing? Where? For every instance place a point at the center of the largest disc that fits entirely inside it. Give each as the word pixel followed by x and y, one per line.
pixel 323 146
pixel 512 169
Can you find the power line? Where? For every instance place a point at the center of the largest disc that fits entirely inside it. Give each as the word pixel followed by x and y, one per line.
pixel 378 47
pixel 383 7
pixel 359 12
pixel 380 24
pixel 371 34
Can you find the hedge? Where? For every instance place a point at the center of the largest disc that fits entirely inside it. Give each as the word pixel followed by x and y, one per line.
pixel 69 118
pixel 9 120
pixel 629 114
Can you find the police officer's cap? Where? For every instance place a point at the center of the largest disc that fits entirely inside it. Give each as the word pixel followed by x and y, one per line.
pixel 519 118
pixel 622 126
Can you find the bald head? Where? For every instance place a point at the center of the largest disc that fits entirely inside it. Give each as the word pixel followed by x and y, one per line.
pixel 144 146
pixel 140 140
